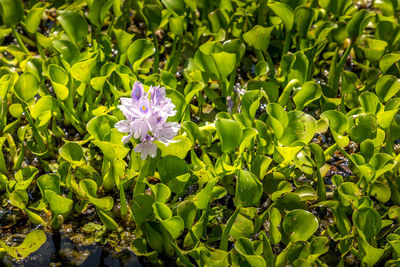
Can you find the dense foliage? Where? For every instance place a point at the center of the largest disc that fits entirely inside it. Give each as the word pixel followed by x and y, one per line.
pixel 288 121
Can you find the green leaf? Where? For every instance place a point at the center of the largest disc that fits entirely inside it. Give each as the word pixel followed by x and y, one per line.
pixel 73 153
pixel 82 71
pixel 277 118
pixel 152 15
pixel 162 211
pixel 174 226
pixel 373 49
pixel 386 87
pixel 337 121
pixel 138 51
pixel 202 198
pixel 19 198
pixel 284 12
pixel 370 102
pixel 75 26
pixel 34 17
pixel 368 222
pixel 176 6
pixel 44 105
pixel 300 225
pixel 225 63
pixel 67 49
pixel 362 126
pixel 171 167
pixel 89 187
pixel 259 166
pixel 123 39
pixel 59 79
pixel 60 206
pixel 179 101
pixel 187 211
pixel 32 242
pixel 161 192
pixel 388 60
pixel 49 182
pixel 357 24
pixel 230 134
pixel 248 189
pixel 309 92
pixel 142 208
pixel 381 192
pixel 100 126
pixel 258 37
pixel 304 17
pixel 107 219
pixel 26 87
pixel 250 103
pixel 12 12
pixel 110 150
pixel 300 129
pixel 367 253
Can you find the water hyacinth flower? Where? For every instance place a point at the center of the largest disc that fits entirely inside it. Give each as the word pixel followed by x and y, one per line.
pixel 146 116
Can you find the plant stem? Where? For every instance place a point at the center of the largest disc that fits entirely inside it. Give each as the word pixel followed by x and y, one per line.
pixel 156 55
pixel 223 244
pixel 175 63
pixel 38 137
pixel 334 82
pixel 19 41
pixel 140 185
pixel 286 46
pixel 74 120
pixel 284 98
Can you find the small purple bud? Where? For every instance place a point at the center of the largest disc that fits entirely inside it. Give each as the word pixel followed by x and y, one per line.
pixel 137 91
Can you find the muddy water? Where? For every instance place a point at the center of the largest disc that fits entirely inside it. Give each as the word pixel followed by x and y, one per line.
pixel 61 251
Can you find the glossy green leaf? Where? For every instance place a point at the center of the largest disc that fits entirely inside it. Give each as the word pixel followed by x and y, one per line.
pixel 89 187
pixel 301 128
pixel 59 78
pixel 75 26
pixel 171 167
pixel 73 153
pixel 300 225
pixel 362 126
pixel 12 12
pixel 248 189
pixel 284 12
pixel 368 222
pixel 138 51
pixel 386 87
pixel 176 6
pixel 82 71
pixel 174 226
pixel 162 211
pixel 68 50
pixel 19 198
pixel 225 63
pixel 309 92
pixel 32 242
pixel 258 37
pixel 152 14
pixel 34 17
pixel 26 87
pixel 229 133
pixel 187 211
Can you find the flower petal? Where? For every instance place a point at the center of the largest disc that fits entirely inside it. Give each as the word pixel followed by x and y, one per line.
pixel 123 126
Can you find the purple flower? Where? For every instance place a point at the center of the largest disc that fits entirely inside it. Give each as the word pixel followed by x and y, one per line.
pixel 146 119
pixel 137 91
pixel 146 147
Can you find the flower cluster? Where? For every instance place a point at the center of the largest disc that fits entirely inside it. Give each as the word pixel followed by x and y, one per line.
pixel 146 119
